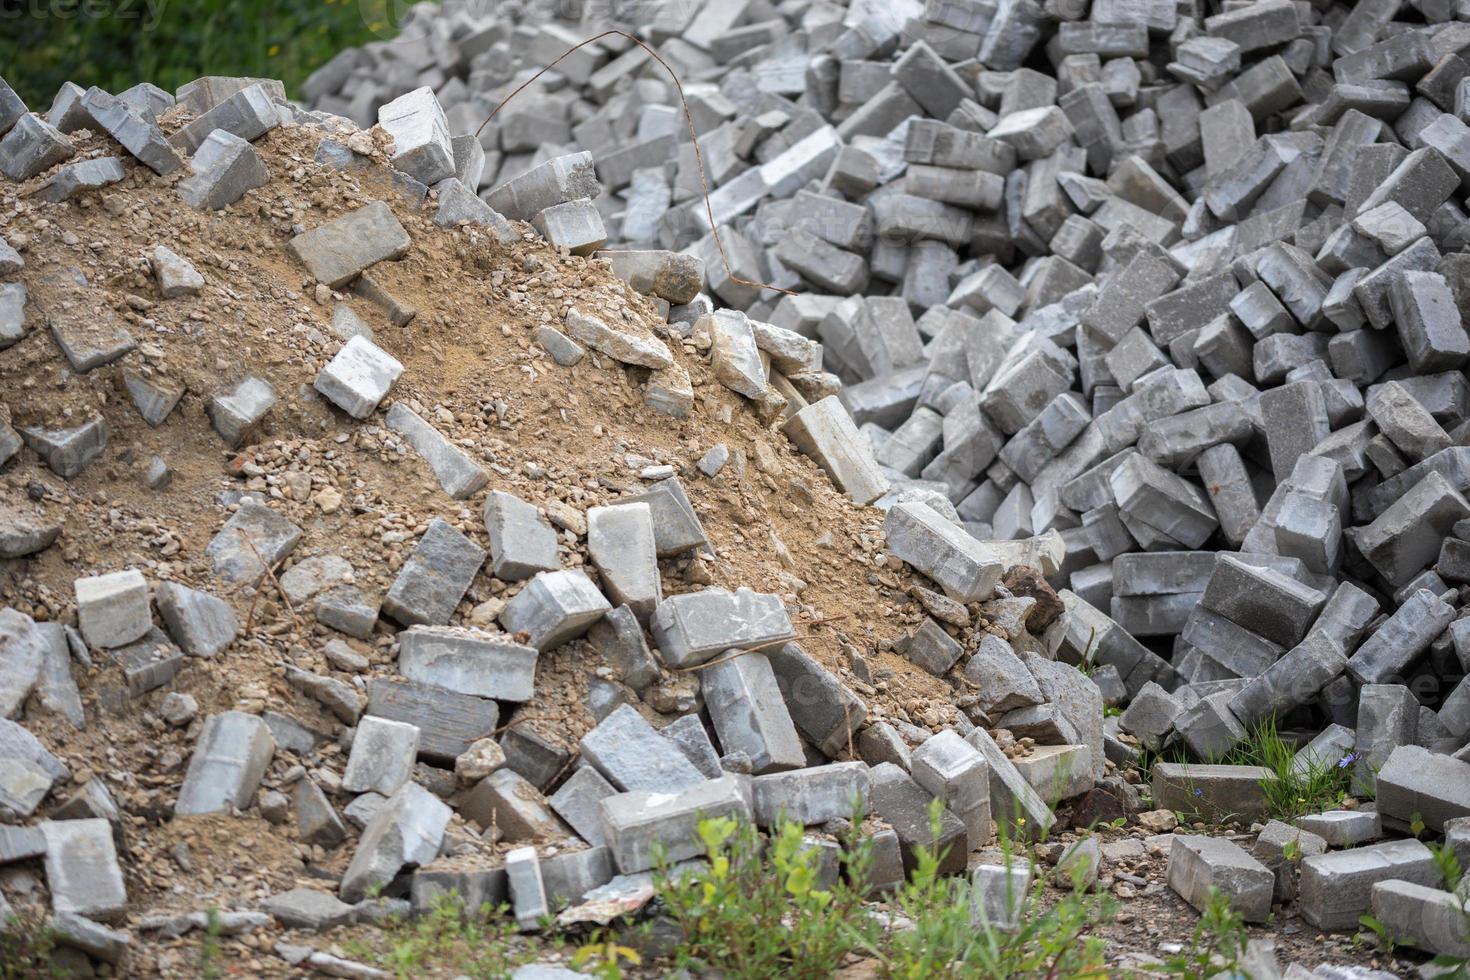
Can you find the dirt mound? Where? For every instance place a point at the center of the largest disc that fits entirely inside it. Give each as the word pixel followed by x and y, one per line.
pixel 562 438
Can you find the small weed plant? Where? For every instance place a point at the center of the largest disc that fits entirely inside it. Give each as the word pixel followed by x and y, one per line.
pixel 757 909
pixel 1453 878
pixel 1293 791
pixel 760 909
pixel 25 947
pixel 479 943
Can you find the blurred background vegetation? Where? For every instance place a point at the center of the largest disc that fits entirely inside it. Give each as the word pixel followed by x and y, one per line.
pixel 118 43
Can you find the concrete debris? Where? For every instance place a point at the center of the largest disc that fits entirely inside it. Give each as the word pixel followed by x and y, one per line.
pixel 225 168
pixel 1140 327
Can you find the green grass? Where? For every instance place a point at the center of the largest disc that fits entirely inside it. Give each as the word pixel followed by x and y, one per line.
pixel 477 943
pixel 25 948
pixel 118 43
pixel 753 912
pixel 1291 794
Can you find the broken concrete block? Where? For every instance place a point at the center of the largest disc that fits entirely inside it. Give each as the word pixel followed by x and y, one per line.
pixel 338 251
pixel 406 831
pixel 435 577
pixel 905 806
pixel 176 275
pixel 225 168
pixel 468 661
pixel 310 909
pixel 625 347
pixel 113 610
pixel 358 377
pixel 67 452
pixel 507 801
pixel 229 759
pixel 692 628
pixel 555 607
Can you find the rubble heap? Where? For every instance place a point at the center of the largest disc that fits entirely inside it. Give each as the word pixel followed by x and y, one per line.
pixel 370 507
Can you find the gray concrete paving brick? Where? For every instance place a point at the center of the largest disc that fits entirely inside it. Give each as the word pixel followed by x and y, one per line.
pixel 693 627
pixel 555 607
pixel 31 147
pixel 1336 888
pixel 1421 916
pixel 964 567
pixel 202 624
pixel 620 542
pixel 382 758
pixel 405 830
pixel 743 700
pixel 1218 791
pixel 358 377
pixel 456 472
pixel 824 709
pixel 338 251
pixel 1273 605
pixel 521 543
pixel 82 869
pixel 468 661
pixel 634 821
pixel 1401 639
pixel 422 147
pixel 507 801
pixel 238 412
pixel 905 806
pixel 230 757
pixel 435 577
pixel 113 610
pixel 1200 866
pixel 225 168
pixel 633 756
pixel 1412 780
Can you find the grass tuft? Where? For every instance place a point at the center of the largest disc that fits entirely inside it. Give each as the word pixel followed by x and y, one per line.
pixel 1294 792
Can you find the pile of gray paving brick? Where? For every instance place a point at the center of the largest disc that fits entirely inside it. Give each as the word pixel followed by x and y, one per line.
pixel 1176 295
pixel 1160 304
